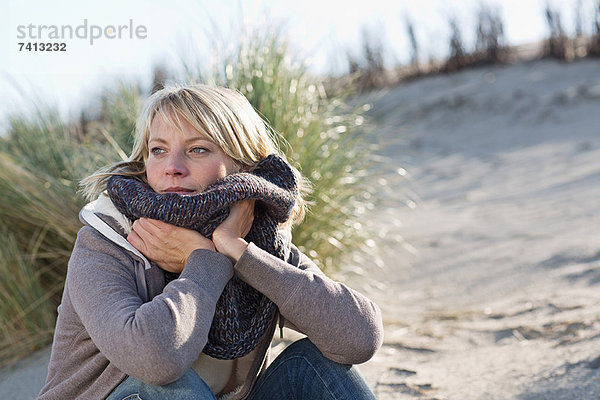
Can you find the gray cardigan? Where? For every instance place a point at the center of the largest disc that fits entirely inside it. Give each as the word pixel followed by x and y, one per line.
pixel 106 331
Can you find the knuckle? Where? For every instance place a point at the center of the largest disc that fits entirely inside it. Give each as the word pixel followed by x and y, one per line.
pixel 168 228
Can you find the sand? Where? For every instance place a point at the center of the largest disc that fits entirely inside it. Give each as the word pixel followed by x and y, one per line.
pixel 493 294
pixel 499 299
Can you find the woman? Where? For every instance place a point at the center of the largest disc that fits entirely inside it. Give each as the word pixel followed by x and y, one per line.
pixel 185 264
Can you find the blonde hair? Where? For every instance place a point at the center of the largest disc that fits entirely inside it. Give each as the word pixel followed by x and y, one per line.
pixel 223 116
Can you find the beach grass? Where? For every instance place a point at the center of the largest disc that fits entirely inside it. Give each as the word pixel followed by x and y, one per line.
pixel 25 308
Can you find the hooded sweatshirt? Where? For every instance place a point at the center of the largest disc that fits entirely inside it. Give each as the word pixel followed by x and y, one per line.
pixel 118 316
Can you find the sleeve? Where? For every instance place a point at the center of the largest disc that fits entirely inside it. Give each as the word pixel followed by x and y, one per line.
pixel 157 341
pixel 344 325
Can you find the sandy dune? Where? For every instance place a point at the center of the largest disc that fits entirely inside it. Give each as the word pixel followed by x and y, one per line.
pixel 500 299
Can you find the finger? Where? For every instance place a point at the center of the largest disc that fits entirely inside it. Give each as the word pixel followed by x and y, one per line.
pixel 250 210
pixel 141 227
pixel 149 235
pixel 246 217
pixel 155 227
pixel 243 208
pixel 154 223
pixel 238 215
pixel 142 237
pixel 137 242
pixel 250 207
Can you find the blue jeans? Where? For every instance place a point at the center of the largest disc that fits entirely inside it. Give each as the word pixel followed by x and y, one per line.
pixel 300 372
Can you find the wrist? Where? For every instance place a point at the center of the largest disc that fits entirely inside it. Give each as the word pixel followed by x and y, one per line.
pixel 201 243
pixel 195 246
pixel 231 247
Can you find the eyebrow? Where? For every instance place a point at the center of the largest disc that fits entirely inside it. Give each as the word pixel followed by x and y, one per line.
pixel 188 141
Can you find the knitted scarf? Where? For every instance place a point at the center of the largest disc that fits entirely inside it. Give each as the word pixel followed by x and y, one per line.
pixel 242 313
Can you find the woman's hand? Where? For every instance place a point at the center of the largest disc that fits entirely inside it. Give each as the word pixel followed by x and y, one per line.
pixel 167 245
pixel 229 236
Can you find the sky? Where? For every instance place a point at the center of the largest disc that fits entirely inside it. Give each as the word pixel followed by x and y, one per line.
pixel 156 32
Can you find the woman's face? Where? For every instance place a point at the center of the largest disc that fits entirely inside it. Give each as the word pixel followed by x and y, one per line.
pixel 183 162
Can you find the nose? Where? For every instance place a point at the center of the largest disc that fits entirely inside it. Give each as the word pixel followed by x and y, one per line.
pixel 176 165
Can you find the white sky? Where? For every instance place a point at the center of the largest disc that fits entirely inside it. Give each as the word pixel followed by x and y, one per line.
pixel 323 30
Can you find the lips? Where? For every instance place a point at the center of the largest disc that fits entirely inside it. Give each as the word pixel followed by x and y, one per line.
pixel 178 190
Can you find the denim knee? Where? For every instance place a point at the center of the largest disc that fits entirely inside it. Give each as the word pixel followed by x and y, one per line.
pixel 301 371
pixel 189 387
pixel 307 349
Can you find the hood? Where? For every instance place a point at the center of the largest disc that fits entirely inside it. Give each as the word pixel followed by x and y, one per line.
pixel 104 206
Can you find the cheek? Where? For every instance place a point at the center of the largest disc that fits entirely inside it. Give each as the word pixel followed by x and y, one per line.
pixel 210 174
pixel 152 175
pixel 230 166
pixel 217 172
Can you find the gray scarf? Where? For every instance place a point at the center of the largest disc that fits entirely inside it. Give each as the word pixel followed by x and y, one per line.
pixel 242 313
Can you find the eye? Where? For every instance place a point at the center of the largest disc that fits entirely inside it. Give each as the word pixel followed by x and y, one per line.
pixel 156 151
pixel 198 150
